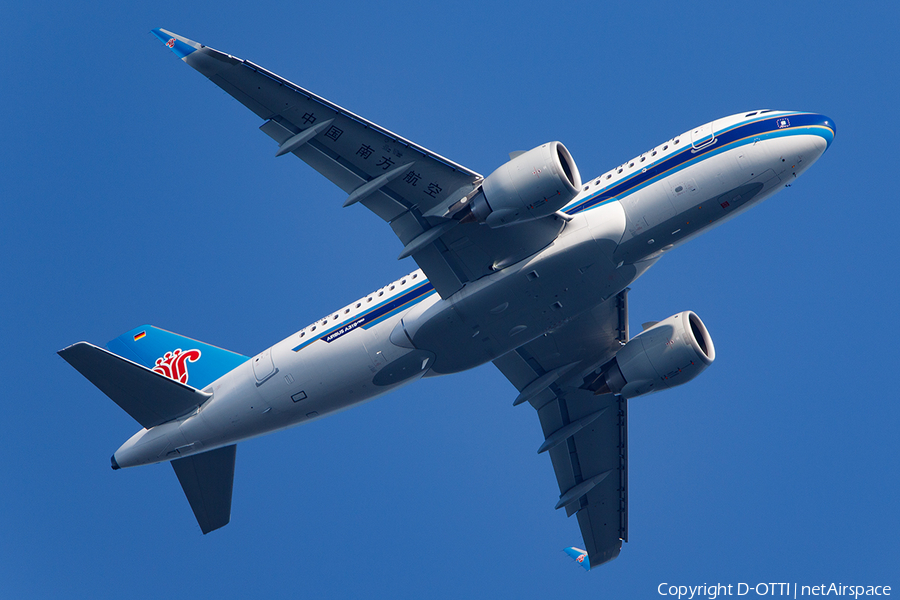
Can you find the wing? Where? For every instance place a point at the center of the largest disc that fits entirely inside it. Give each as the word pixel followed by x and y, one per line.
pixel 405 184
pixel 585 434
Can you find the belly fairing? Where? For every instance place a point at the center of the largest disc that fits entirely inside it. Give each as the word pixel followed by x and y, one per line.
pixel 507 309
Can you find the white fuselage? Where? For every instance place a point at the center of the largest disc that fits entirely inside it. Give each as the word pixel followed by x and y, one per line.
pixel 621 223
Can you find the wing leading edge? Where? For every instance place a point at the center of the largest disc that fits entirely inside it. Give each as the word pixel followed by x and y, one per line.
pixel 586 435
pixel 403 183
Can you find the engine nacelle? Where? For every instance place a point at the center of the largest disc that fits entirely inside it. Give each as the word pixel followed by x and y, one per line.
pixel 670 353
pixel 533 185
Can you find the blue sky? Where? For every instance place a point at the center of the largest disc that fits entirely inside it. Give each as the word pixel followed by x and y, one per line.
pixel 135 191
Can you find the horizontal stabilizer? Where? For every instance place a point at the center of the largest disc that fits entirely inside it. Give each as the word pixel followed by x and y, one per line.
pixel 208 480
pixel 150 398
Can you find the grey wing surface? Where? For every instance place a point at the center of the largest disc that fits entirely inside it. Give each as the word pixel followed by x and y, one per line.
pixel 403 183
pixel 585 434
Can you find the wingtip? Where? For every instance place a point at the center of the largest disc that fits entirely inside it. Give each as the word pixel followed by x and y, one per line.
pixel 180 45
pixel 580 556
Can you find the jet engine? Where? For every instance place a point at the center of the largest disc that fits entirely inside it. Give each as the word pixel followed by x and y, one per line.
pixel 669 353
pixel 532 185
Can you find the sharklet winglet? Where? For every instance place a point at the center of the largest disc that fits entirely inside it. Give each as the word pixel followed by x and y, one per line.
pixel 181 46
pixel 580 556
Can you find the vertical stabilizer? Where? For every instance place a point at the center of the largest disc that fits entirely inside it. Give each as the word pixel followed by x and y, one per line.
pixel 181 358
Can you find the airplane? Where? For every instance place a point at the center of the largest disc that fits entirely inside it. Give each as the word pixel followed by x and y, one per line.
pixel 528 268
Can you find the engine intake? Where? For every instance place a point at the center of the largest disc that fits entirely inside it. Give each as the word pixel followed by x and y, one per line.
pixel 670 353
pixel 533 185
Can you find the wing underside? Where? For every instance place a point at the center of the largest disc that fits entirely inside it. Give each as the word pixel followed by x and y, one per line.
pixel 403 183
pixel 586 435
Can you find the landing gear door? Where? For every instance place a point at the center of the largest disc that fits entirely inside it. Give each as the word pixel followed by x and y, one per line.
pixel 263 366
pixel 702 136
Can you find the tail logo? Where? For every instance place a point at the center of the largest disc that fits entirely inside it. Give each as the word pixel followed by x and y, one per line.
pixel 174 364
pixel 171 43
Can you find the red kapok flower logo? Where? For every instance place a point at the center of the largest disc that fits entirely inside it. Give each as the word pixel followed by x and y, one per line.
pixel 174 364
pixel 171 43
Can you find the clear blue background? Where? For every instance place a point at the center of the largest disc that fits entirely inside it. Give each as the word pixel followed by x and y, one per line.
pixel 135 191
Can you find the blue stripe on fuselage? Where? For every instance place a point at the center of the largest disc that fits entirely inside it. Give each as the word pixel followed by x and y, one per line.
pixel 374 315
pixel 727 139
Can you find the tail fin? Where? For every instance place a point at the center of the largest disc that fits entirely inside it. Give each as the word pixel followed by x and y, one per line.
pixel 580 556
pixel 181 358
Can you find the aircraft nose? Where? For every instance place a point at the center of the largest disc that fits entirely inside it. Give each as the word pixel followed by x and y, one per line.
pixel 827 125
